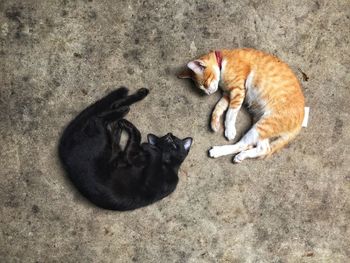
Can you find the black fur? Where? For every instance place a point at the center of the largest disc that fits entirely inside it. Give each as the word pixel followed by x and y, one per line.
pixel 113 178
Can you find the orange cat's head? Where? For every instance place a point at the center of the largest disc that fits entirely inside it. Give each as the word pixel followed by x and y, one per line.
pixel 205 72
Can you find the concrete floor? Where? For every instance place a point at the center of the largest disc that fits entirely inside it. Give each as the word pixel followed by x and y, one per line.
pixel 56 57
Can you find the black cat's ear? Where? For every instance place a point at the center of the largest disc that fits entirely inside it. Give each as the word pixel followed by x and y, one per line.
pixel 187 143
pixel 152 139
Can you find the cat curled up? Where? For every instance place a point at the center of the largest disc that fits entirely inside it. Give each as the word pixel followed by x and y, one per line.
pixel 115 178
pixel 270 90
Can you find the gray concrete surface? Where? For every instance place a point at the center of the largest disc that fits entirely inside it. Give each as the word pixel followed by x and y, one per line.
pixel 56 57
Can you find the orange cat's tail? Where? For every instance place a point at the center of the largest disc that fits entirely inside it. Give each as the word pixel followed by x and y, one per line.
pixel 281 142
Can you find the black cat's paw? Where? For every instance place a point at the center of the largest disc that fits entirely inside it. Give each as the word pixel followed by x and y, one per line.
pixel 143 92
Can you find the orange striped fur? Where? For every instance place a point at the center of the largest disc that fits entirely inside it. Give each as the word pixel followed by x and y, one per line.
pixel 270 89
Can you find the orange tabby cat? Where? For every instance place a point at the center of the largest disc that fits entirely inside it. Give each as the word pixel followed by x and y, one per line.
pixel 269 88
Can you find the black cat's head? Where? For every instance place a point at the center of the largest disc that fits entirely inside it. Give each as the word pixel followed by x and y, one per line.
pixel 174 150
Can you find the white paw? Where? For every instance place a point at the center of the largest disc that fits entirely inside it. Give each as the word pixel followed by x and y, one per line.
pixel 215 152
pixel 230 133
pixel 238 158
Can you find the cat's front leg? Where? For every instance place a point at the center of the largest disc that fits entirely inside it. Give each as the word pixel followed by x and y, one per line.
pixel 132 147
pixel 219 110
pixel 236 100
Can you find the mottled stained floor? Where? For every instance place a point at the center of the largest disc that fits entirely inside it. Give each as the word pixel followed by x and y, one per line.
pixel 56 57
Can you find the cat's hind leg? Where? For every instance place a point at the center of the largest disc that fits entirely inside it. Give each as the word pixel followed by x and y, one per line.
pixel 249 140
pixel 127 101
pixel 132 147
pixel 267 129
pixel 114 114
pixel 115 132
pixel 282 141
pixel 114 95
pixel 106 102
pixel 133 144
pixel 262 148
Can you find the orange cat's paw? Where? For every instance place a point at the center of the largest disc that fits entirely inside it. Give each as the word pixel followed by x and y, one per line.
pixel 215 124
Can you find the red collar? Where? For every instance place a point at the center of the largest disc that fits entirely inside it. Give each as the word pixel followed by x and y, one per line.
pixel 218 56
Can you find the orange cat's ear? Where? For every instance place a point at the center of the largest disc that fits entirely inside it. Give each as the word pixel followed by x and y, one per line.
pixel 197 66
pixel 186 74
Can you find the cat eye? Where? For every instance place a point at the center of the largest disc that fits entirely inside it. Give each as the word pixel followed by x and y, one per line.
pixel 201 64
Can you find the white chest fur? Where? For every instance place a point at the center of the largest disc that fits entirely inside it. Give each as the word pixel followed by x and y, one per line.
pixel 253 97
pixel 221 74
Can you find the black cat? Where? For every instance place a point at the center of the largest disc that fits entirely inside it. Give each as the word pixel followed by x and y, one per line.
pixel 113 178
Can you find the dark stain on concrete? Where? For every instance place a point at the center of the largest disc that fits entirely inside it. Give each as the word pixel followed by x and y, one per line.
pixel 134 55
pixel 130 71
pixel 14 13
pixel 337 130
pixel 35 209
pixel 92 15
